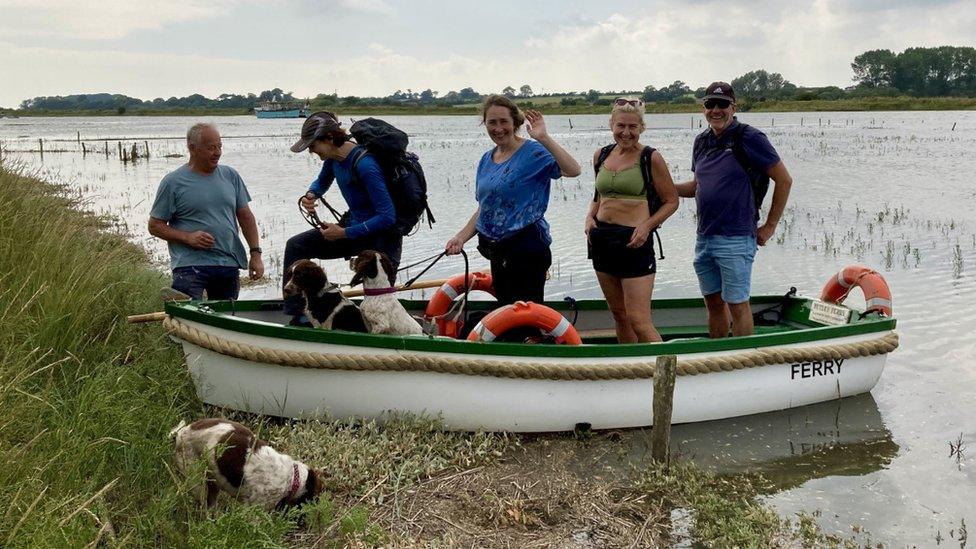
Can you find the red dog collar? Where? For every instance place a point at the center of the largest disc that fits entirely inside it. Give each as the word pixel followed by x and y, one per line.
pixel 378 291
pixel 294 483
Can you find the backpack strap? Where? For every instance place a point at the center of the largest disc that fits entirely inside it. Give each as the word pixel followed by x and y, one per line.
pixel 758 180
pixel 604 154
pixel 653 200
pixel 355 165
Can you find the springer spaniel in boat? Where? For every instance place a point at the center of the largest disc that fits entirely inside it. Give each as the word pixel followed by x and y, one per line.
pixel 325 306
pixel 383 311
pixel 247 468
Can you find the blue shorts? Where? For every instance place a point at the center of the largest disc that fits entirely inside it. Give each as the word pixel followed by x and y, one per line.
pixel 218 282
pixel 724 264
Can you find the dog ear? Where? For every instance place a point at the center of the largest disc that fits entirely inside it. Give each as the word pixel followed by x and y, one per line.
pixel 388 267
pixel 365 267
pixel 309 276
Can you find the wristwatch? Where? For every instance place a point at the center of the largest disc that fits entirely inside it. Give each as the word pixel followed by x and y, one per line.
pixel 256 250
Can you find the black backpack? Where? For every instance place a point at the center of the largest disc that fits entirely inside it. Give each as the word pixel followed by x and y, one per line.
pixel 401 169
pixel 654 201
pixel 758 179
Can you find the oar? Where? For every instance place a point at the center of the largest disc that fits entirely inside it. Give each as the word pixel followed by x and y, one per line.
pixel 419 285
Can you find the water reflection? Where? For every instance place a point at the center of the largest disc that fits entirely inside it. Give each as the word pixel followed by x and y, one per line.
pixel 845 437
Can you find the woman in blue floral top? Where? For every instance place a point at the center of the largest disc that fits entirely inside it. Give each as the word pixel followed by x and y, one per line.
pixel 512 190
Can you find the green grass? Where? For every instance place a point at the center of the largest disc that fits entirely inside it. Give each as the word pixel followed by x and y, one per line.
pixel 88 401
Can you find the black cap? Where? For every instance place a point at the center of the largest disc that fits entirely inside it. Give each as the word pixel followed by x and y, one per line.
pixel 315 127
pixel 719 90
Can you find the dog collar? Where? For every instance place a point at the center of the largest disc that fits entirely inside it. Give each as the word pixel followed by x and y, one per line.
pixel 327 289
pixel 378 291
pixel 294 483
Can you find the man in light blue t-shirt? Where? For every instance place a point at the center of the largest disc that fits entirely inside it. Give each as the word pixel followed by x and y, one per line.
pixel 197 210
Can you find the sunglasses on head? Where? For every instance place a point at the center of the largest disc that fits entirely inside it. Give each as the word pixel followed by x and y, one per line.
pixel 636 103
pixel 720 103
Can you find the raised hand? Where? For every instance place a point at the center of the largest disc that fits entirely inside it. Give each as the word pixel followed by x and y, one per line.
pixel 536 125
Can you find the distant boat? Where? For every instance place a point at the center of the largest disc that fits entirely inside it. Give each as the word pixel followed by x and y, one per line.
pixel 276 109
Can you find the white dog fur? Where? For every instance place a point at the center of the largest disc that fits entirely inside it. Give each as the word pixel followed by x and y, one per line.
pixel 383 311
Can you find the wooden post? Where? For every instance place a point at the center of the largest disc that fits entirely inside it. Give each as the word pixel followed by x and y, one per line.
pixel 40 144
pixel 79 137
pixel 120 150
pixel 135 152
pixel 664 372
pixel 146 143
pixel 106 149
pixel 83 151
pixel 953 127
pixel 801 121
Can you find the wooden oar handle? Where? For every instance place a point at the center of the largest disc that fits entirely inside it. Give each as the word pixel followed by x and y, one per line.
pixel 419 285
pixel 148 317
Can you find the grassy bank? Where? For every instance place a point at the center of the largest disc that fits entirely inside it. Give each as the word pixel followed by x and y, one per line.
pixel 88 400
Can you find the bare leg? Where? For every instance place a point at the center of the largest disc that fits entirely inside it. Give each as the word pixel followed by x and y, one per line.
pixel 637 299
pixel 614 292
pixel 741 318
pixel 718 315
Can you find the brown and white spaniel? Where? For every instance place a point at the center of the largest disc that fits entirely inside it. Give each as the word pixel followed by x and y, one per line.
pixel 383 311
pixel 246 467
pixel 325 306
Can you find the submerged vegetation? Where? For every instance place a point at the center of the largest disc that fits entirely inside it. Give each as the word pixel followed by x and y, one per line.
pixel 88 401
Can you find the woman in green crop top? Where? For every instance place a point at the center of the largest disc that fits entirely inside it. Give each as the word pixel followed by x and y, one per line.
pixel 620 221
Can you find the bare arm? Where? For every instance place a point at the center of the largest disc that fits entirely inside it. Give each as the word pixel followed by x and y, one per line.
pixel 537 130
pixel 249 226
pixel 201 240
pixel 687 189
pixel 665 188
pixel 455 244
pixel 781 192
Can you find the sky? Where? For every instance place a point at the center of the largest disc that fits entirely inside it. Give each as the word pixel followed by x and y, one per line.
pixel 165 48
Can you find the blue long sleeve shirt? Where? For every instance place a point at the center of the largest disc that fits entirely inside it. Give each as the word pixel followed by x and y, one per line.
pixel 370 206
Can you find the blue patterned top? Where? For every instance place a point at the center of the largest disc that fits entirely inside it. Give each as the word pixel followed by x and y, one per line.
pixel 515 193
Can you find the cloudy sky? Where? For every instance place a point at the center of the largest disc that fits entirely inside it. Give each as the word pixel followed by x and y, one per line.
pixel 165 48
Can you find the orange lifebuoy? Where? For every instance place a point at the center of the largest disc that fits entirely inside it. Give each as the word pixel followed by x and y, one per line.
pixel 877 296
pixel 525 314
pixel 444 297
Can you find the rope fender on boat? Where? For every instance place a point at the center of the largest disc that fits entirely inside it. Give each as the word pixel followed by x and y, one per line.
pixel 525 370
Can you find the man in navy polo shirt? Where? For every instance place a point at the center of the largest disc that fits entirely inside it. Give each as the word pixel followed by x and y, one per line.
pixel 727 214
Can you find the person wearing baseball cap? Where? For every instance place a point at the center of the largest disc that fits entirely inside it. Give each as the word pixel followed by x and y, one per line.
pixel 732 164
pixel 369 223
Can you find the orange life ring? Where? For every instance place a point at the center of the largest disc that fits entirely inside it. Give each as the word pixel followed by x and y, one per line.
pixel 877 296
pixel 444 297
pixel 522 314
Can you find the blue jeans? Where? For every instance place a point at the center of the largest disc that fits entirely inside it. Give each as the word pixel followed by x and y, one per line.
pixel 218 282
pixel 724 264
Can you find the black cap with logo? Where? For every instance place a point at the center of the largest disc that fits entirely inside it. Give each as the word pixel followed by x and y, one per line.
pixel 719 90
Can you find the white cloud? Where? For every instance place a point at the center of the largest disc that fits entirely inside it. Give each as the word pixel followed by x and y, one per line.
pixel 105 19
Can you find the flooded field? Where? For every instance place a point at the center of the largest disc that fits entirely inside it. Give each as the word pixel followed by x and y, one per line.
pixel 894 191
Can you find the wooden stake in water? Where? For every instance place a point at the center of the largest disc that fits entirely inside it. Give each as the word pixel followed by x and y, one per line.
pixel 40 145
pixel 664 372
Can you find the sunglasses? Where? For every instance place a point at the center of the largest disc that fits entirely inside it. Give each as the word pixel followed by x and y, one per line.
pixel 636 103
pixel 720 103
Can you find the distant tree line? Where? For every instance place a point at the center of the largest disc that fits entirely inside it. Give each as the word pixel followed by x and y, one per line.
pixel 929 72
pixel 124 103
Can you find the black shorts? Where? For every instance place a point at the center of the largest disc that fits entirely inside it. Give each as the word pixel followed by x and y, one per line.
pixel 608 249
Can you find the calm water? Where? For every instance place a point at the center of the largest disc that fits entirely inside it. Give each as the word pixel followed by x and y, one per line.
pixel 891 190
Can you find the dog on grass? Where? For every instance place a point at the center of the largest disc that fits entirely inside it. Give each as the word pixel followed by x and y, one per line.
pixel 325 306
pixel 246 467
pixel 383 311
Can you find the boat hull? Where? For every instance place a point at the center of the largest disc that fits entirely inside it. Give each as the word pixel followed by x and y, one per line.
pixel 290 113
pixel 482 402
